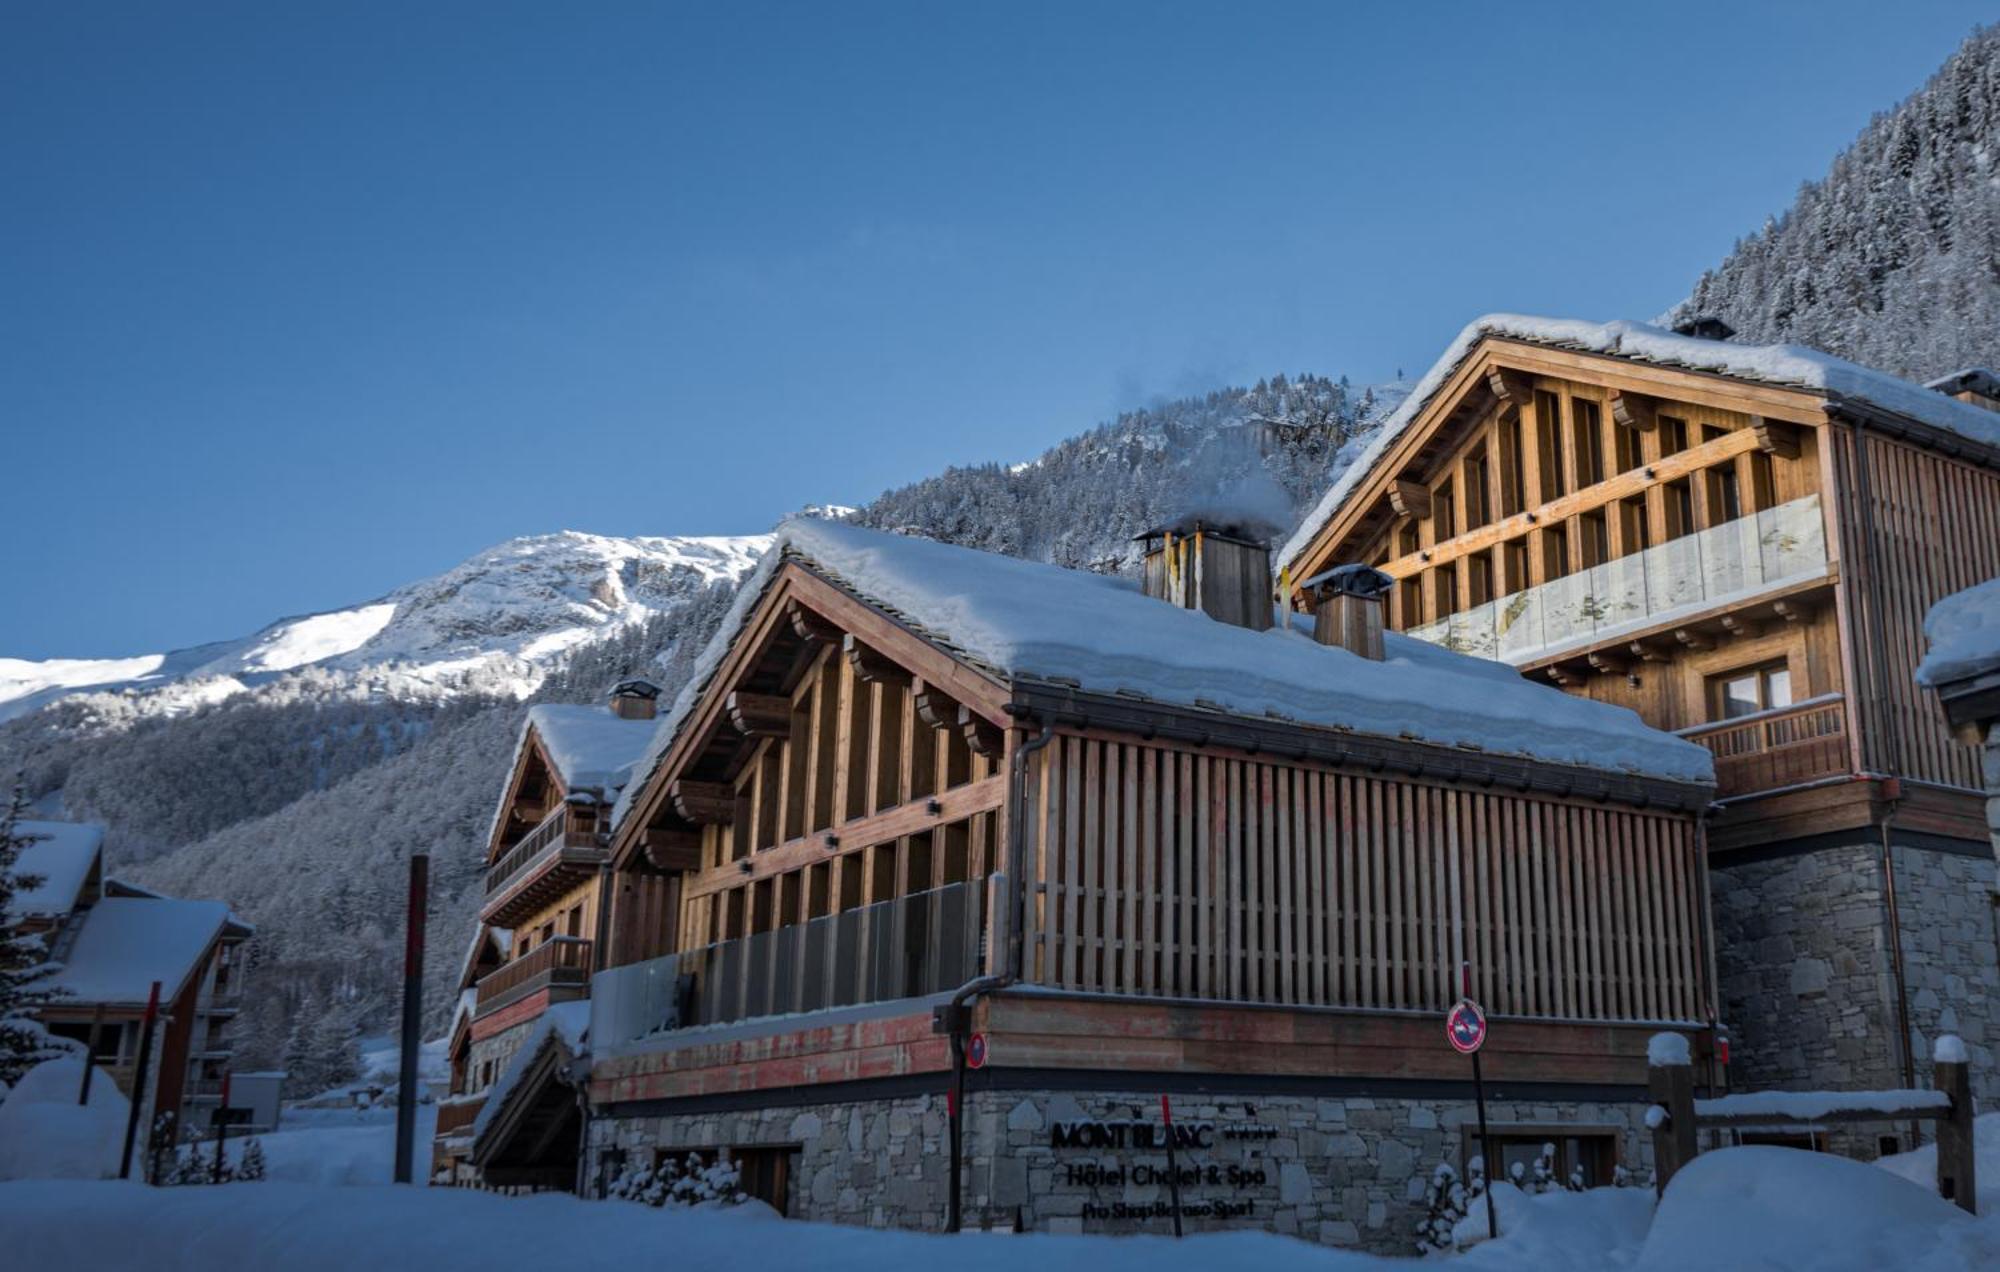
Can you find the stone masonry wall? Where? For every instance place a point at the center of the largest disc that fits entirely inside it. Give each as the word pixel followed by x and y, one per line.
pixel 499 1049
pixel 1991 765
pixel 1808 981
pixel 1347 1171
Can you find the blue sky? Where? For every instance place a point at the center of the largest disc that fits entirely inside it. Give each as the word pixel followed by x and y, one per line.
pixel 298 303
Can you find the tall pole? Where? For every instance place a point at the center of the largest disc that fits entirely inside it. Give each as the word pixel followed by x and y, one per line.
pixel 1479 1098
pixel 90 1055
pixel 1173 1162
pixel 413 1005
pixel 139 1079
pixel 954 1217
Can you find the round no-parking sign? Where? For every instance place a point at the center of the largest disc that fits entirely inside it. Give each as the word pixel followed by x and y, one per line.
pixel 1465 1027
pixel 975 1051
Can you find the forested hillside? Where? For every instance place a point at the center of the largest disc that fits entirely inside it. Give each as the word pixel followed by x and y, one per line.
pixel 1893 258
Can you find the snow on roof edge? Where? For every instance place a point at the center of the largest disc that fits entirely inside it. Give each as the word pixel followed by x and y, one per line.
pixel 1794 366
pixel 1963 634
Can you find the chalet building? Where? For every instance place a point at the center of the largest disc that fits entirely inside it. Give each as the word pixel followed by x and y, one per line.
pixel 114 941
pixel 1154 847
pixel 512 1117
pixel 1740 544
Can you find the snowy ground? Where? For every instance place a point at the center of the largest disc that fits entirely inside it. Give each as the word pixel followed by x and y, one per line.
pixel 1766 1208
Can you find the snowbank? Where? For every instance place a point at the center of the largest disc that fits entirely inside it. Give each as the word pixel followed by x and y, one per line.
pixel 1791 365
pixel 1919 1166
pixel 1964 634
pixel 1784 1208
pixel 46 1134
pixel 1810 1106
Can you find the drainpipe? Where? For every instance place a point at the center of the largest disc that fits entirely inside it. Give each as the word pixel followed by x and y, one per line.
pixel 956 1017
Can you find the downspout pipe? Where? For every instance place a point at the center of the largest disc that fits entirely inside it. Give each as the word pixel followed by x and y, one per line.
pixel 955 1017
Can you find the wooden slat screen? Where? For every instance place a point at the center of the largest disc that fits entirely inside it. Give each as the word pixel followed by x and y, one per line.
pixel 1161 872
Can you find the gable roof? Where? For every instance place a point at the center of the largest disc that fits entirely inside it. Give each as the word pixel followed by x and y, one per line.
pixel 126 943
pixel 1025 622
pixel 62 853
pixel 1784 365
pixel 589 747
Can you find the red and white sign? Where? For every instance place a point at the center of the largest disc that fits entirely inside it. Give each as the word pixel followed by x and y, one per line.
pixel 1465 1027
pixel 975 1051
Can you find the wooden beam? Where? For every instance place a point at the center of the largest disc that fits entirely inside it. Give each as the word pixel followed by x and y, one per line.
pixel 1735 625
pixel 871 666
pixel 1410 499
pixel 810 627
pixel 1557 511
pixel 760 715
pixel 980 734
pixel 1647 651
pixel 1635 411
pixel 1610 664
pixel 1692 639
pixel 1793 611
pixel 1563 677
pixel 1775 437
pixel 703 803
pixel 672 850
pixel 1514 389
pixel 935 707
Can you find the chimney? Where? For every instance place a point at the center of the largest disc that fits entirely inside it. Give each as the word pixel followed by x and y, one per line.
pixel 1704 327
pixel 1975 385
pixel 1217 569
pixel 1347 608
pixel 635 699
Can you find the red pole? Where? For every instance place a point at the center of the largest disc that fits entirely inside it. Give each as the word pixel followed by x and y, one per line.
pixel 139 1079
pixel 413 1006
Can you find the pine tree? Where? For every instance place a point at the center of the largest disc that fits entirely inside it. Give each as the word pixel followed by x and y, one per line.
pixel 251 1168
pixel 23 961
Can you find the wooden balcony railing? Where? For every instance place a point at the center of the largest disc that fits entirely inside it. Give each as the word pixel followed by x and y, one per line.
pixel 457 1114
pixel 550 836
pixel 1778 748
pixel 563 961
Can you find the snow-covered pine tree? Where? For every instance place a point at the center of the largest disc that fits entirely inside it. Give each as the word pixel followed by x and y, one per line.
pixel 23 960
pixel 251 1167
pixel 1544 1176
pixel 1444 1205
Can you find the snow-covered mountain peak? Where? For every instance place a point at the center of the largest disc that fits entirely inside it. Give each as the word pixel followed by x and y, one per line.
pixel 496 621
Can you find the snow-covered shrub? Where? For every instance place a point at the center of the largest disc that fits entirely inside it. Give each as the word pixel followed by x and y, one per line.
pixel 1447 1200
pixel 682 1181
pixel 251 1166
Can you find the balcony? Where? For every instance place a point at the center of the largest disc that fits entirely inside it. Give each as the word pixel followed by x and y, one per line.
pixel 1781 747
pixel 457 1114
pixel 560 965
pixel 927 943
pixel 1735 561
pixel 550 860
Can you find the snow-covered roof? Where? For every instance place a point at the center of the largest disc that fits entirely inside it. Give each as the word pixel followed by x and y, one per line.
pixel 565 1023
pixel 1023 621
pixel 1792 366
pixel 62 854
pixel 591 748
pixel 1964 634
pixel 129 942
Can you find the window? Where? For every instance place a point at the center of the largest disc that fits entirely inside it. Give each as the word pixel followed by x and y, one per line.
pixel 1763 481
pixel 1594 540
pixel 1636 527
pixel 1584 423
pixel 1514 563
pixel 1411 592
pixel 1406 539
pixel 1478 503
pixel 1513 486
pixel 1555 552
pixel 1593 1153
pixel 1725 500
pixel 1446 583
pixel 766 1174
pixel 1628 455
pixel 1753 689
pixel 1479 578
pixel 1446 512
pixel 1673 435
pixel 1680 508
pixel 1548 427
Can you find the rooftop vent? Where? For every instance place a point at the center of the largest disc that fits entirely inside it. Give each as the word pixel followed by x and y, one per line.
pixel 635 699
pixel 1221 570
pixel 1705 327
pixel 1347 608
pixel 1976 385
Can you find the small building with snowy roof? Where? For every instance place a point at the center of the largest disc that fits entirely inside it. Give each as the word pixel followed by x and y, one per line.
pixel 538 937
pixel 1147 843
pixel 112 943
pixel 1738 542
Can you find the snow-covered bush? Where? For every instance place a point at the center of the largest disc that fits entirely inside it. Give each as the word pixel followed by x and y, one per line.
pixel 682 1181
pixel 1447 1200
pixel 250 1168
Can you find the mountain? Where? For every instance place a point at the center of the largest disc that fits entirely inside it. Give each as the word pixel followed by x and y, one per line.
pixel 493 624
pixel 1893 258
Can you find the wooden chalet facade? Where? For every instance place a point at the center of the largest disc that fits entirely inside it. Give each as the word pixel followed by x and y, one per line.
pixel 113 942
pixel 538 940
pixel 915 769
pixel 1740 544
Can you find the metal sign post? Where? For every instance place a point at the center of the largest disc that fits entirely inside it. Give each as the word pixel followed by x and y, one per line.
pixel 413 1008
pixel 1465 1029
pixel 139 1079
pixel 1173 1163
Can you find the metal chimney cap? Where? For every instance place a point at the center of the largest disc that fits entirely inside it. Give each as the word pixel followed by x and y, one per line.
pixel 637 687
pixel 1188 527
pixel 1704 327
pixel 1354 579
